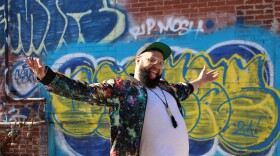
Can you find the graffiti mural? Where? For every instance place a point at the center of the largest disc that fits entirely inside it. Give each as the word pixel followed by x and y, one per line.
pixel 94 41
pixel 241 105
pixel 39 27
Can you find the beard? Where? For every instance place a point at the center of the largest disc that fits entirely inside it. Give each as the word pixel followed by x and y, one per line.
pixel 145 79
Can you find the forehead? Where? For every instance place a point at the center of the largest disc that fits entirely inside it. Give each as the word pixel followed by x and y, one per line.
pixel 153 53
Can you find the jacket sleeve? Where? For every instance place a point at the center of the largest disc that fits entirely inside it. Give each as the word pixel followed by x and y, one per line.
pixel 94 94
pixel 182 90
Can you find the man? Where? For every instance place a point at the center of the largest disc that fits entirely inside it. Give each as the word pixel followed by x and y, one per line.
pixel 145 111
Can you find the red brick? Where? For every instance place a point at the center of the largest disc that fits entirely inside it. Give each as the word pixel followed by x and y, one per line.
pixel 235 2
pixel 207 1
pixel 254 12
pixel 198 5
pixel 153 13
pixel 191 10
pixel 213 4
pixel 175 12
pixel 152 8
pixel 138 5
pixel 190 1
pixel 170 2
pixel 155 3
pixel 180 6
pixel 228 9
pixel 276 2
pixel 277 14
pixel 253 1
pixel 212 9
pixel 164 7
pixel 277 8
pixel 268 11
pixel 264 17
pixel 243 7
pixel 263 6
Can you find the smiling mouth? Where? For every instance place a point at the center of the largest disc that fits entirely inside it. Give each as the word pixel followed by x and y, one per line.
pixel 152 74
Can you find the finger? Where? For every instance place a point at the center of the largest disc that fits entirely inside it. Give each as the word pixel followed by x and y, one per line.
pixel 29 62
pixel 215 75
pixel 203 69
pixel 32 60
pixel 40 63
pixel 212 71
pixel 35 64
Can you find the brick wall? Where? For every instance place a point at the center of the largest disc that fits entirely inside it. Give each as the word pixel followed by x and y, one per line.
pixel 255 12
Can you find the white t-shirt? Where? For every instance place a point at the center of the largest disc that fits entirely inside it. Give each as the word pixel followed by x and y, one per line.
pixel 159 137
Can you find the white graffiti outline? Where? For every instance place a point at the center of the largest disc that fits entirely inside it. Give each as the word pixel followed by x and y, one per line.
pixel 253 44
pixel 178 25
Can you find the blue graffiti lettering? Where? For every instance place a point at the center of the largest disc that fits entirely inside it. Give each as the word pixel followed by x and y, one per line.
pixel 242 130
pixel 24 75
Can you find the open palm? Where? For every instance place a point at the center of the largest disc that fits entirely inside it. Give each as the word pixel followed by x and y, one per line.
pixel 206 77
pixel 37 66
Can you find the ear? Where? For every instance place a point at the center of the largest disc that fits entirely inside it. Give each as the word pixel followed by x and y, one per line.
pixel 137 59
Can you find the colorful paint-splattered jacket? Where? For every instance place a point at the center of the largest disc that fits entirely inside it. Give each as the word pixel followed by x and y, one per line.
pixel 127 100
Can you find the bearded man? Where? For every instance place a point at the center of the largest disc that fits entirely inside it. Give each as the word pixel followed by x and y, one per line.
pixel 145 111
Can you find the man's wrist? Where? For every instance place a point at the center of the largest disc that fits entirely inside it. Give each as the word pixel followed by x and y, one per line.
pixel 48 77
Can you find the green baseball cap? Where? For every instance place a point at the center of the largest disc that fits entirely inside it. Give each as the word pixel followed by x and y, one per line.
pixel 163 48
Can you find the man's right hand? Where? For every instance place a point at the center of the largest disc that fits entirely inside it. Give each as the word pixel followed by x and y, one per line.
pixel 37 66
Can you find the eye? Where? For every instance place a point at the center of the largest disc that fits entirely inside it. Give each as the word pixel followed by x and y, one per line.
pixel 153 59
pixel 161 63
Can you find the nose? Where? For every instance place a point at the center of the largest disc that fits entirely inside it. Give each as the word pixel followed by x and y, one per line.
pixel 157 65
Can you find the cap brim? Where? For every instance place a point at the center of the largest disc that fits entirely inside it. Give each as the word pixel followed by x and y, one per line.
pixel 165 49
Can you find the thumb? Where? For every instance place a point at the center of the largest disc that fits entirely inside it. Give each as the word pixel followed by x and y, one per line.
pixel 202 72
pixel 203 69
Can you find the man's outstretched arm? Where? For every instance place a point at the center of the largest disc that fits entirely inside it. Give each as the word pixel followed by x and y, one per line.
pixel 60 84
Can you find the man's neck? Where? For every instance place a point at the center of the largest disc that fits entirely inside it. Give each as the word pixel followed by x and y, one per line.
pixel 136 76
